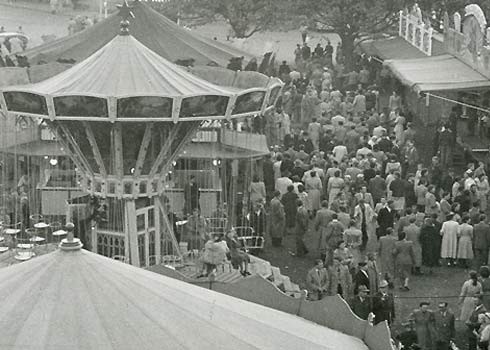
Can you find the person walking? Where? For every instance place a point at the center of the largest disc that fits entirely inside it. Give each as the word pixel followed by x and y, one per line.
pixel 330 238
pixel 404 260
pixel 429 241
pixel 289 202
pixel 302 221
pixel 449 244
pixel 465 245
pixel 481 241
pixel 413 234
pixel 385 253
pixel 278 219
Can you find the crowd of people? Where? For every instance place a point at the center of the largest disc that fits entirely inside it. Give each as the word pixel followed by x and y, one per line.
pixel 348 168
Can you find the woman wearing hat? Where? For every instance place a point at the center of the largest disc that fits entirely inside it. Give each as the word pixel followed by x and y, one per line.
pixel 484 332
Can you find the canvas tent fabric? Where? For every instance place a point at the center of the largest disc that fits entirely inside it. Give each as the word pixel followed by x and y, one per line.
pixel 125 68
pixel 397 48
pixel 437 73
pixel 79 300
pixel 154 30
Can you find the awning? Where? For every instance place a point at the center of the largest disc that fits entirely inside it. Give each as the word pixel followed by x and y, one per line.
pixel 216 150
pixel 439 73
pixel 38 148
pixel 397 48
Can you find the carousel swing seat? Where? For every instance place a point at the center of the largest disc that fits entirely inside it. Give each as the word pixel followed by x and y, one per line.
pixel 250 239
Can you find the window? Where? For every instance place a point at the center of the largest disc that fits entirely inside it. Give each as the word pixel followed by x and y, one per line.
pixel 203 106
pixel 110 245
pixel 144 107
pixel 26 102
pixel 80 106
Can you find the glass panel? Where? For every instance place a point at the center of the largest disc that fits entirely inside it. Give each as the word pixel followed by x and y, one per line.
pixel 151 218
pixel 251 102
pixel 26 102
pixel 144 107
pixel 273 96
pixel 103 136
pixel 141 249
pixel 203 106
pixel 159 134
pixel 132 136
pixel 80 106
pixel 151 243
pixel 140 222
pixel 77 130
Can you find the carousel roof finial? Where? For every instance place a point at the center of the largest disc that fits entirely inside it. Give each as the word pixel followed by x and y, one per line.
pixel 126 13
pixel 70 242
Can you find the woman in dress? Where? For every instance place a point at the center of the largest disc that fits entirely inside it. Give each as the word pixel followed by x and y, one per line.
pixel 313 186
pixel 334 186
pixel 449 244
pixel 470 288
pixel 353 240
pixel 465 245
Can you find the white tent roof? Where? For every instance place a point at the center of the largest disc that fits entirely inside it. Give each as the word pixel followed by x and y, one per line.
pixel 80 300
pixel 125 68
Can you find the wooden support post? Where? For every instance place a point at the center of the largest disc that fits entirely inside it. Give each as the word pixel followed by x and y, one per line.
pixel 182 142
pixel 168 228
pixel 77 158
pixel 164 151
pixel 158 235
pixel 93 236
pixel 95 148
pixel 143 150
pixel 131 232
pixel 118 151
pixel 233 191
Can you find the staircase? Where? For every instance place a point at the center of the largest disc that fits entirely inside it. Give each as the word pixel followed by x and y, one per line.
pixel 227 274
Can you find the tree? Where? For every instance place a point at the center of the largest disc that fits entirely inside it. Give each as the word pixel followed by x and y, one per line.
pixel 353 19
pixel 245 17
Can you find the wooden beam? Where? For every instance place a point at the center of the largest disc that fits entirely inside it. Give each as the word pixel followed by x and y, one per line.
pixel 131 232
pixel 182 142
pixel 78 152
pixel 95 148
pixel 118 151
pixel 145 143
pixel 165 150
pixel 156 218
pixel 167 227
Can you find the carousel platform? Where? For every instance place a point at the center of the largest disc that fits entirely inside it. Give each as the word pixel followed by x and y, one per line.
pixel 225 273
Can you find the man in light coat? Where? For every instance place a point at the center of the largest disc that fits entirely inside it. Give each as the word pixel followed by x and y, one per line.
pixel 317 281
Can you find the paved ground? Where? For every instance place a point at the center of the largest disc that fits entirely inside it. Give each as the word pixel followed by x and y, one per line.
pixel 35 23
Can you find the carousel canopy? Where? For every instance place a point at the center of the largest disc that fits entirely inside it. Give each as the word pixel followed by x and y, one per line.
pixel 80 300
pixel 127 81
pixel 152 29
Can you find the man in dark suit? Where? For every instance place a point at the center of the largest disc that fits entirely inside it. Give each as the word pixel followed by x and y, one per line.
pixel 473 323
pixel 307 143
pixel 377 187
pixel 383 305
pixel 268 170
pixel 444 330
pixel 360 304
pixel 361 278
pixel 481 241
pixel 386 218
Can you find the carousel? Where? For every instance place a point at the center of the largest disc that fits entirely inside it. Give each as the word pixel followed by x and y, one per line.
pixel 124 116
